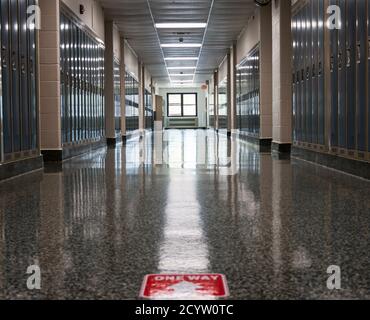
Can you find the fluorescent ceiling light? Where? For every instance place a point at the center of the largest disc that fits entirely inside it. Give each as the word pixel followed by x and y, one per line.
pixel 182 81
pixel 182 58
pixel 181 25
pixel 181 74
pixel 181 45
pixel 181 68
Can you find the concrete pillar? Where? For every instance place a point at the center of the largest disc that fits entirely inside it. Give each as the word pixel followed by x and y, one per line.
pixel 49 81
pixel 123 90
pixel 215 76
pixel 229 93
pixel 266 74
pixel 141 97
pixel 110 130
pixel 281 75
pixel 233 104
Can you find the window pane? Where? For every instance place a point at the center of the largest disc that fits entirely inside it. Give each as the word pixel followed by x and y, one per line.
pixel 174 99
pixel 190 99
pixel 190 111
pixel 174 105
pixel 174 111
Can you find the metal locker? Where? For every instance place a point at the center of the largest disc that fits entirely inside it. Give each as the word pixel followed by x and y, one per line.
pixel 69 41
pixel 368 76
pixel 78 83
pixel 73 84
pixel 361 74
pixel 32 76
pixel 15 75
pixel 94 105
pixel 298 76
pixel 84 82
pixel 62 78
pixel 342 123
pixel 334 83
pixel 302 74
pixel 308 64
pixel 5 66
pixel 294 34
pixel 320 74
pixel 314 63
pixel 23 72
pixel 351 74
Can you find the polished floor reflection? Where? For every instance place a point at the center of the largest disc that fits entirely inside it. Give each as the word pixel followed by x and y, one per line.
pixel 185 202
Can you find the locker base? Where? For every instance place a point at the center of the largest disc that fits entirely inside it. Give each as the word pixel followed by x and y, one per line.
pixel 71 151
pixel 112 142
pixel 284 148
pixel 16 168
pixel 264 145
pixel 350 166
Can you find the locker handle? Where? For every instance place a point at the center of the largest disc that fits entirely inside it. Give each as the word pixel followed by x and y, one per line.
pixel 14 63
pixel 340 60
pixel 320 68
pixel 332 63
pixel 348 57
pixel 368 46
pixel 3 55
pixel 31 66
pixel 313 71
pixel 302 74
pixel 359 53
pixel 308 73
pixel 23 65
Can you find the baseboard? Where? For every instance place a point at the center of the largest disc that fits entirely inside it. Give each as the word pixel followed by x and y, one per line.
pixel 72 151
pixel 16 168
pixel 350 166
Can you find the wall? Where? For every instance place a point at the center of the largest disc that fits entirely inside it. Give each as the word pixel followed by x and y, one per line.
pixel 93 16
pixel 147 80
pixel 222 70
pixel 116 43
pixel 249 37
pixel 131 61
pixel 202 108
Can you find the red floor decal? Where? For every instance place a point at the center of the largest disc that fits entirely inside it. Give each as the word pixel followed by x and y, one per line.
pixel 184 286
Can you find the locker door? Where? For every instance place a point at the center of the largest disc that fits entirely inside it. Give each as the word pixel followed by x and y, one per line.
pixel 342 123
pixel 298 77
pixel 62 77
pixel 84 81
pixel 5 75
pixel 351 74
pixel 32 77
pixel 314 64
pixel 74 84
pixel 15 79
pixel 320 75
pixel 302 76
pixel 23 67
pixel 334 84
pixel 361 74
pixel 78 83
pixel 368 75
pixel 293 80
pixel 308 73
pixel 69 42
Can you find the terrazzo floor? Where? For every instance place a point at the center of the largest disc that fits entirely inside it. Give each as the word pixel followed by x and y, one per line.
pixel 186 201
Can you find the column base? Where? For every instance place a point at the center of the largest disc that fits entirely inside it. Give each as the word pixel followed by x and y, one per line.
pixel 281 151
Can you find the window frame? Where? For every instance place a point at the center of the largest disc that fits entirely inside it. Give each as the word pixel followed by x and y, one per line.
pixel 182 104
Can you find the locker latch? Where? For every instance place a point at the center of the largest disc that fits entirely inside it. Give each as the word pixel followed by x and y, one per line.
pixel 332 63
pixel 340 60
pixel 313 71
pixel 348 57
pixel 3 55
pixel 359 52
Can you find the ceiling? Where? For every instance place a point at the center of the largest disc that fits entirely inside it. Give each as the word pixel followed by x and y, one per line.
pixel 136 20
